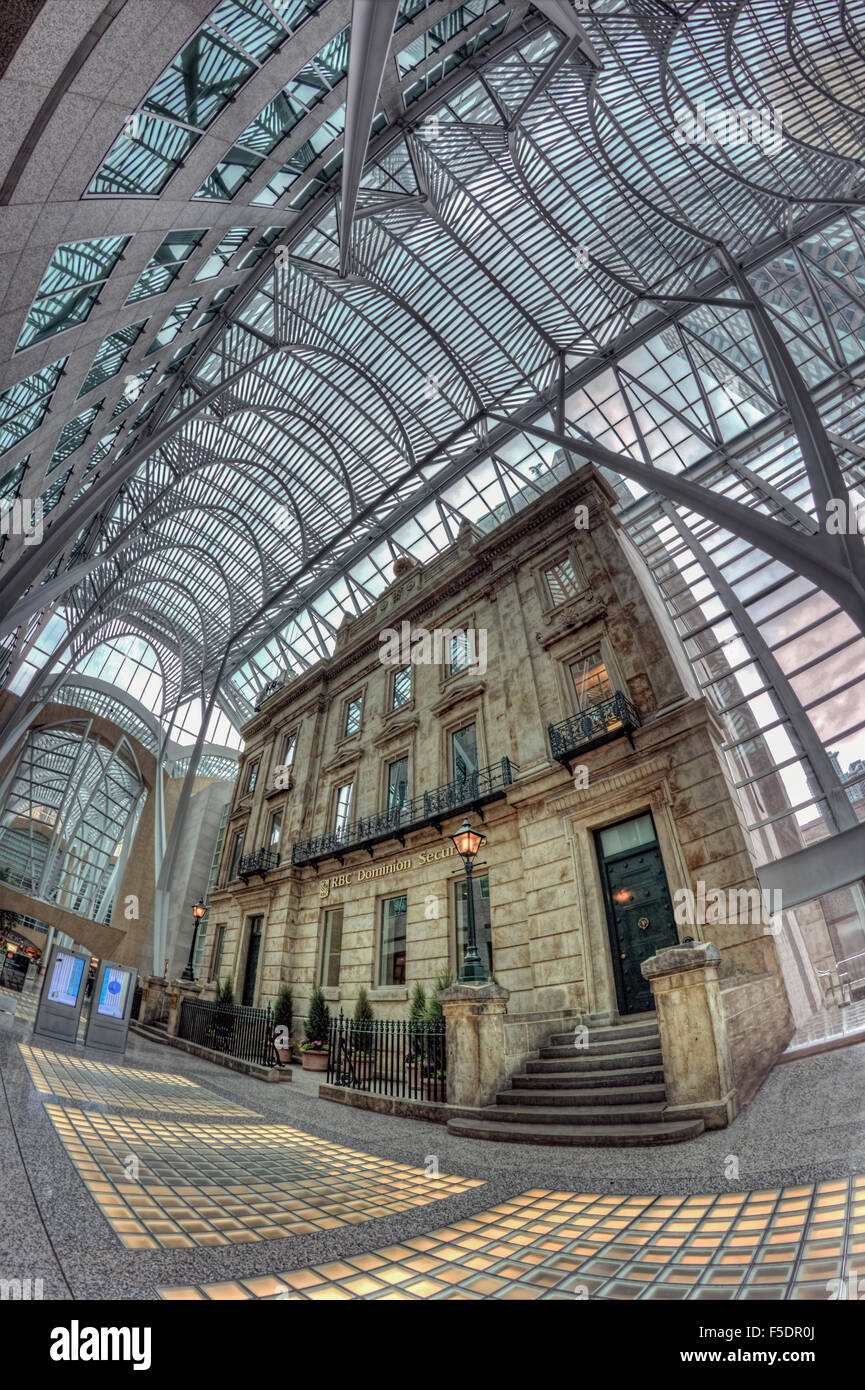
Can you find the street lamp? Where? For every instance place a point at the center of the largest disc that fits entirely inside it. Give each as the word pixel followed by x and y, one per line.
pixel 468 842
pixel 198 911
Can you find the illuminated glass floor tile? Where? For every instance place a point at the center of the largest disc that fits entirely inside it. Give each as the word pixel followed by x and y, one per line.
pixel 85 1079
pixel 530 1247
pixel 185 1183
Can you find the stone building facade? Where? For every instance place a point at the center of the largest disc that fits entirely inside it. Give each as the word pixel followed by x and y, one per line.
pixel 526 678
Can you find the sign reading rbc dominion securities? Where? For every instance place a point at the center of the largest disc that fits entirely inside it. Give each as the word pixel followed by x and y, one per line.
pixel 427 856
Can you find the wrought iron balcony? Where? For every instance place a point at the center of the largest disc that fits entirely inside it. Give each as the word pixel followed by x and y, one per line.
pixel 259 863
pixel 597 724
pixel 429 808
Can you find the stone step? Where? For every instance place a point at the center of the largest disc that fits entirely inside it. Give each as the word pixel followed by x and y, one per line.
pixel 650 1043
pixel 558 1114
pixel 617 1033
pixel 575 1135
pixel 538 1090
pixel 565 1074
pixel 595 1061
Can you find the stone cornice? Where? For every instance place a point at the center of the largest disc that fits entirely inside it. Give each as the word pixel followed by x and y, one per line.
pixel 607 787
pixel 456 696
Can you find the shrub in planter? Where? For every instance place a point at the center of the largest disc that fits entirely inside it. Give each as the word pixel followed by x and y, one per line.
pixel 434 1010
pixel 315 1043
pixel 282 1017
pixel 223 1023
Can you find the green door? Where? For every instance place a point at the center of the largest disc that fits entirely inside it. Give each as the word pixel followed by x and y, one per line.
pixel 248 996
pixel 640 920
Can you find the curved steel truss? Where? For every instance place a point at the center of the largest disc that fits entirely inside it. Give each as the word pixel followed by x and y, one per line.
pixel 633 234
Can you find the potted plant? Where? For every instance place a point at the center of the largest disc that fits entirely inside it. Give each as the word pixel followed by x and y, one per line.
pixel 362 1048
pixel 223 1030
pixel 314 1046
pixel 417 1013
pixel 436 1083
pixel 282 1016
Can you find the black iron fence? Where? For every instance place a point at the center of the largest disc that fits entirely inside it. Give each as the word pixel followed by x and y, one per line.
pixel 392 1058
pixel 595 724
pixel 236 1029
pixel 429 808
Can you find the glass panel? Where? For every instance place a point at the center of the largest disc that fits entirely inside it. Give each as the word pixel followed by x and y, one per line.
pixel 459 652
pixel 331 947
pixel 483 929
pixel 401 687
pixel 627 835
pixel 563 581
pixel 275 830
pixel 236 851
pixel 591 682
pixel 217 952
pixel 288 751
pixel 343 808
pixel 251 776
pixel 391 970
pixel 464 750
pixel 352 715
pixel 397 784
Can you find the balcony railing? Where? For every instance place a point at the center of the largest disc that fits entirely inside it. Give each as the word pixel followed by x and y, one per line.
pixel 430 808
pixel 597 724
pixel 259 863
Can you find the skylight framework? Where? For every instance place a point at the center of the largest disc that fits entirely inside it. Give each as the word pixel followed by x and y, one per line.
pixel 514 261
pixel 68 812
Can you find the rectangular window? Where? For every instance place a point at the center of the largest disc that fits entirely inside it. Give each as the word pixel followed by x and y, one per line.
pixel 401 687
pixel 483 932
pixel 464 752
pixel 216 959
pixel 236 851
pixel 391 956
pixel 397 786
pixel 331 947
pixel 563 581
pixel 352 715
pixel 288 749
pixel 275 831
pixel 591 682
pixel 458 658
pixel 342 808
pixel 251 776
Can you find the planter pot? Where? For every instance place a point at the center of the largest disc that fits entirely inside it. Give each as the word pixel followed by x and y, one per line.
pixel 315 1061
pixel 364 1069
pixel 284 1055
pixel 438 1090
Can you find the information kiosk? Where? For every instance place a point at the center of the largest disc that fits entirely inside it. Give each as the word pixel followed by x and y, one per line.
pixel 111 1007
pixel 62 995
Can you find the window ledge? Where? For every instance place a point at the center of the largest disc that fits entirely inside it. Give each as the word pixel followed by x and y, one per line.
pixel 389 994
pixel 331 993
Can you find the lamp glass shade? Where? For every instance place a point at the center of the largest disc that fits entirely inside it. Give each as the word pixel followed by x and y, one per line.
pixel 467 841
pixel 198 910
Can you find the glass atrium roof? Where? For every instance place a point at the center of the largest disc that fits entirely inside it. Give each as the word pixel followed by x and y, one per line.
pixel 296 401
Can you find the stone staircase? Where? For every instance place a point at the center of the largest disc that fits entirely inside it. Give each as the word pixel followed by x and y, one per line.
pixel 608 1094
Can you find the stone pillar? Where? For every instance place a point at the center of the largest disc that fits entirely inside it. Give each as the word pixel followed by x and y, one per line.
pixel 474 1019
pixel 152 993
pixel 698 1071
pixel 180 990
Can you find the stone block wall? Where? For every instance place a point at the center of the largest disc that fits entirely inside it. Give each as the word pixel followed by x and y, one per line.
pixel 759 1026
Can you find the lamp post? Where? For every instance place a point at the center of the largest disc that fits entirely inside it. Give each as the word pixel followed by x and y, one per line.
pixel 468 842
pixel 198 912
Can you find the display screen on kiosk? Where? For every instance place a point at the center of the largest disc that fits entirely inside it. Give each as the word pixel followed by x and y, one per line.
pixel 66 979
pixel 112 996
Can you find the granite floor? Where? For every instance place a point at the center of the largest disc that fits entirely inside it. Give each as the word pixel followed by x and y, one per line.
pixel 159 1175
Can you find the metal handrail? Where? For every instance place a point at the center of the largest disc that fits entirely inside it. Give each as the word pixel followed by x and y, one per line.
pixel 426 809
pixel 595 724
